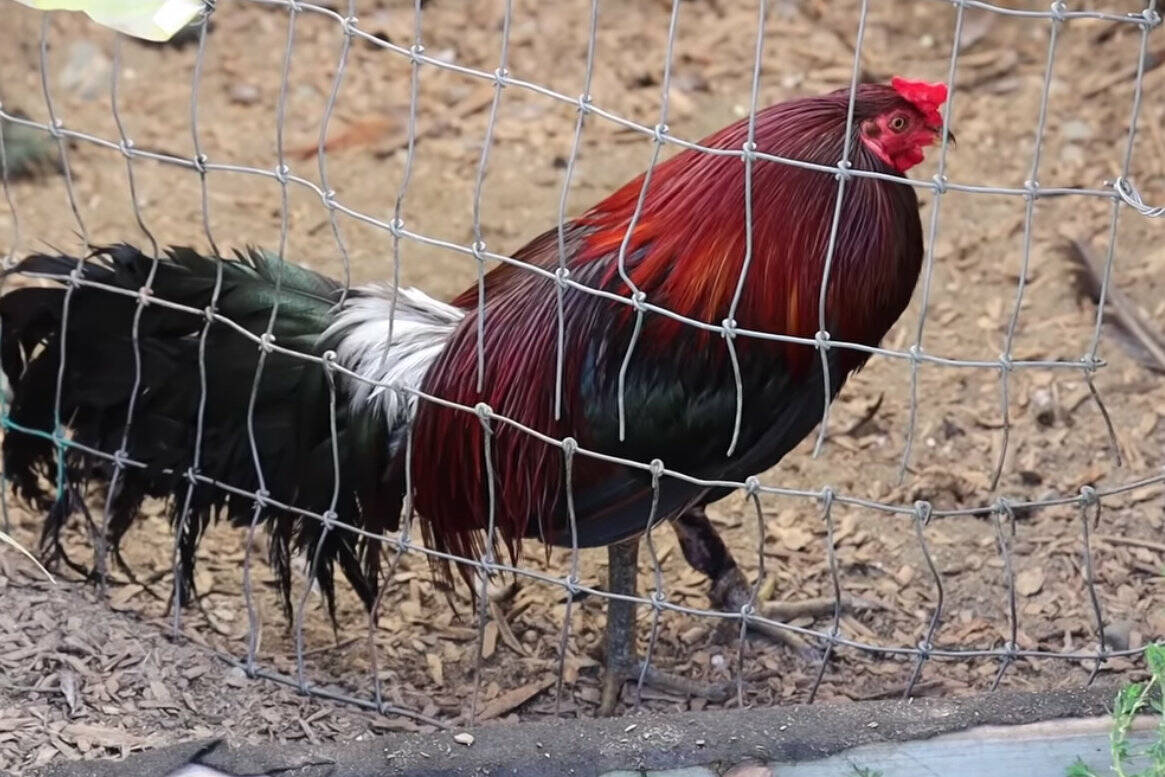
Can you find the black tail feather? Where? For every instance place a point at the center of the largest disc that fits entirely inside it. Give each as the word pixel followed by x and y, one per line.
pixel 291 412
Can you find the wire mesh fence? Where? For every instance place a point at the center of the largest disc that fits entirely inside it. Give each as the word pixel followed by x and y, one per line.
pixel 996 508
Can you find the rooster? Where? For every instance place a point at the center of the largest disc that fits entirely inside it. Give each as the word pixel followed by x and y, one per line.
pixel 685 253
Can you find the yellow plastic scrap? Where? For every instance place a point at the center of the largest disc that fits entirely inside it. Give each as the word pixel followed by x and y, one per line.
pixel 156 20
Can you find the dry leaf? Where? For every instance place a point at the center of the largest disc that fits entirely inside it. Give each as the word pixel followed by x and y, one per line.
pixel 121 597
pixel 515 698
pixel 1029 582
pixel 796 538
pixel 436 668
pixel 489 639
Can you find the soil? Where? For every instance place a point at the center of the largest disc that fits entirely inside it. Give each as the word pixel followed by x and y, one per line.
pixel 89 673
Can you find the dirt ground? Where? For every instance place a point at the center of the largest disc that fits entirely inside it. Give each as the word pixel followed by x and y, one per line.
pixel 82 677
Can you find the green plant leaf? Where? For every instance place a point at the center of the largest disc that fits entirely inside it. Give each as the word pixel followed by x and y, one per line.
pixel 1079 769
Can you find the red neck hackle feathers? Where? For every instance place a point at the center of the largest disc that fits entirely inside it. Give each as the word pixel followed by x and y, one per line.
pixel 689 242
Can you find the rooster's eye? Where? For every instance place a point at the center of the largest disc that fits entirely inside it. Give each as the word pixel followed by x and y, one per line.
pixel 898 123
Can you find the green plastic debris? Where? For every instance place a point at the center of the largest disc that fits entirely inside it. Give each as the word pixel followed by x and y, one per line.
pixel 156 20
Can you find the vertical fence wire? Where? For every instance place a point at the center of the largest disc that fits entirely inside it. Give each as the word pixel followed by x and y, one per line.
pixel 922 516
pixel 1152 19
pixel 135 327
pixel 478 185
pixel 397 224
pixel 563 272
pixel 7 263
pixel 199 163
pixel 638 297
pixel 843 174
pixel 1032 185
pixel 940 180
pixel 65 493
pixel 254 623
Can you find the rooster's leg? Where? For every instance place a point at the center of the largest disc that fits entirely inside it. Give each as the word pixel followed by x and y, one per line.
pixel 706 552
pixel 622 662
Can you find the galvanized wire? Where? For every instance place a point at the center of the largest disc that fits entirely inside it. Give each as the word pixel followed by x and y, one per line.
pixel 1122 193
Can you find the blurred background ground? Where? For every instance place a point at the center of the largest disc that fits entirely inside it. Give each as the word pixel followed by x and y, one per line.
pixel 84 677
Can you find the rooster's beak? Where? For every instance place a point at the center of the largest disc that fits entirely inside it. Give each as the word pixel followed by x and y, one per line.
pixel 950 136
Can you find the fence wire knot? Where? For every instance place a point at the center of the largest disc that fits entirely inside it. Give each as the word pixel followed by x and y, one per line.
pixel 843 170
pixel 569 446
pixel 1131 197
pixel 1088 496
pixel 262 497
pixel 328 519
pixel 328 360
pixel 752 485
pixel 349 24
pixel 1091 363
pixel 144 295
pixel 266 341
pixel 200 161
pixel 125 146
pixel 923 511
pixel 659 132
pixel 571 584
pixel 1059 9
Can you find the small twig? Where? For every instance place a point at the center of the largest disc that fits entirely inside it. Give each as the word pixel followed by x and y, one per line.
pixel 1133 541
pixel 1148 344
pixel 9 541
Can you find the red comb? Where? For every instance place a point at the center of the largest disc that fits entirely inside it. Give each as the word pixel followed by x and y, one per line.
pixel 926 97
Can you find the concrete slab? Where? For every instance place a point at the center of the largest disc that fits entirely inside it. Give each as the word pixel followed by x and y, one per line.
pixel 589 748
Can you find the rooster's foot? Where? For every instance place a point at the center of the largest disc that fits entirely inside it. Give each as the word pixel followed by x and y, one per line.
pixel 733 592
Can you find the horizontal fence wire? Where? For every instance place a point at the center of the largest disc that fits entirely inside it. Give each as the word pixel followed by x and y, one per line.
pixel 1000 510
